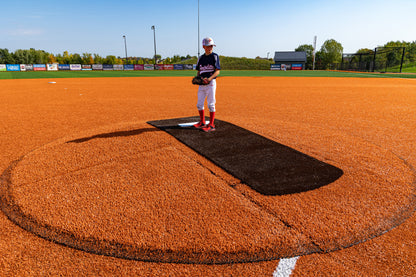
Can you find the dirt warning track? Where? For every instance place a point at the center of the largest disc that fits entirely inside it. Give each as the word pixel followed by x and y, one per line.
pixel 87 182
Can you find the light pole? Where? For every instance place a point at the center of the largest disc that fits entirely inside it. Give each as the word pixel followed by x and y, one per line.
pixel 314 52
pixel 154 40
pixel 125 47
pixel 198 30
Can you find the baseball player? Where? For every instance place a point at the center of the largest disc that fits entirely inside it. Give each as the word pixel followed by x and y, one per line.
pixel 208 67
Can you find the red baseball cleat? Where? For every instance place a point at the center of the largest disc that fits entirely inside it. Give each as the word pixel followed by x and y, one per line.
pixel 209 128
pixel 199 125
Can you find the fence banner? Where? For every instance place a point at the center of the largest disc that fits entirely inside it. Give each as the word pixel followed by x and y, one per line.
pixel 13 67
pixel 29 67
pixel 39 67
pixel 194 66
pixel 178 67
pixel 86 67
pixel 297 66
pixel 275 67
pixel 97 67
pixel 75 67
pixel 128 67
pixel 188 67
pixel 168 66
pixel 139 67
pixel 22 67
pixel 107 67
pixel 149 67
pixel 64 67
pixel 3 67
pixel 159 67
pixel 52 67
pixel 118 67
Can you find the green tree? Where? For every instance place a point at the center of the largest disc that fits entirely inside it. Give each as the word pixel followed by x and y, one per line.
pixel 110 60
pixel 98 59
pixel 330 53
pixel 75 58
pixel 21 56
pixel 6 57
pixel 51 58
pixel 308 48
pixel 87 58
pixel 66 58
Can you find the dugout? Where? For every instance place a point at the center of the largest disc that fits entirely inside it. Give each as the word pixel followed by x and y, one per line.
pixel 289 60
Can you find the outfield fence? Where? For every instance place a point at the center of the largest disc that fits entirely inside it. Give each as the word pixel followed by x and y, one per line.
pixel 381 59
pixel 98 67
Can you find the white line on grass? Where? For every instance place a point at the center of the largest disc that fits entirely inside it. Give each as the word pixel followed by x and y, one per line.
pixel 285 267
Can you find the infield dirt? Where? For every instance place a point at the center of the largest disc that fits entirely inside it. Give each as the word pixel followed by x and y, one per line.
pixel 129 187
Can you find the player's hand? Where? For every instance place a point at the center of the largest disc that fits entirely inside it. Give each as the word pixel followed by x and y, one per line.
pixel 206 81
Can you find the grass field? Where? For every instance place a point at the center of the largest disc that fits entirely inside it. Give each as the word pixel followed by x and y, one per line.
pixel 181 73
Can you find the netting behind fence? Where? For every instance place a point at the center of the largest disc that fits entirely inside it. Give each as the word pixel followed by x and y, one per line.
pixel 382 59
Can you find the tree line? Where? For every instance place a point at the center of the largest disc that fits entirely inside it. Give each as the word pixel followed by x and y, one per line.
pixel 33 56
pixel 331 52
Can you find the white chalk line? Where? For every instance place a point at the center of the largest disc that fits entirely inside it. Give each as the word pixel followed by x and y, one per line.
pixel 285 267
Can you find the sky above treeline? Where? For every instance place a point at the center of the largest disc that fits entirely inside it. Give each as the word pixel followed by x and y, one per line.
pixel 239 28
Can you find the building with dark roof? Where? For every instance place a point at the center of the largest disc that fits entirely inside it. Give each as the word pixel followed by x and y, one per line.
pixel 290 60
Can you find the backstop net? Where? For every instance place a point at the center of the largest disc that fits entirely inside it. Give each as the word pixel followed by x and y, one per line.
pixel 381 59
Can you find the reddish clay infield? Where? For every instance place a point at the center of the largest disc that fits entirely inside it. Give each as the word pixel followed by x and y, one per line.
pixel 88 187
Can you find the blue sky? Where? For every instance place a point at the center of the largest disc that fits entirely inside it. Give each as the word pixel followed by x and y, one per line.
pixel 240 28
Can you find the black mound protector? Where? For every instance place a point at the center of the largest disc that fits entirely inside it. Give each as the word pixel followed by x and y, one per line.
pixel 266 166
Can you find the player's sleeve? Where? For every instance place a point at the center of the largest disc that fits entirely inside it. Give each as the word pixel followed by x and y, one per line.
pixel 217 62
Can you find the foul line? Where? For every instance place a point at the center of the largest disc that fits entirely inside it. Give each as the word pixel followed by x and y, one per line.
pixel 285 267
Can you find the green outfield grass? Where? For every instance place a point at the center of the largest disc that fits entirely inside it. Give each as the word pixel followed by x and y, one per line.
pixel 181 73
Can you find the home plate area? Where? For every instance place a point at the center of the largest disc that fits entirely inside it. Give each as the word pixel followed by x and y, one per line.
pixel 167 192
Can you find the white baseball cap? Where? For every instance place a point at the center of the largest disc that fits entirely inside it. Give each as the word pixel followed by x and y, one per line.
pixel 208 42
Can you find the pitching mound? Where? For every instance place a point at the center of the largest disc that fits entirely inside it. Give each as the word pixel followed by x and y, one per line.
pixel 133 191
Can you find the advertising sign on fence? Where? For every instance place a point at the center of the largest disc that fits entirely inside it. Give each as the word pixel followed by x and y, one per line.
pixel 275 67
pixel 64 67
pixel 188 67
pixel 128 67
pixel 86 67
pixel 97 67
pixel 178 66
pixel 159 67
pixel 29 67
pixel 107 67
pixel 39 67
pixel 75 66
pixel 3 67
pixel 168 66
pixel 22 67
pixel 118 67
pixel 139 67
pixel 13 67
pixel 149 67
pixel 52 67
pixel 297 66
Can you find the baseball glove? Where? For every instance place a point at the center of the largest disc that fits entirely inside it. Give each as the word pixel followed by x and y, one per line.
pixel 198 80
